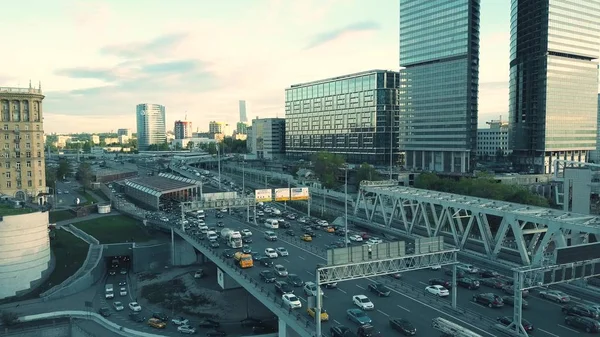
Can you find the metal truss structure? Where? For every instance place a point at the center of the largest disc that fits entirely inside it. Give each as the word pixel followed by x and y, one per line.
pixel 449 328
pixel 213 204
pixel 353 271
pixel 526 232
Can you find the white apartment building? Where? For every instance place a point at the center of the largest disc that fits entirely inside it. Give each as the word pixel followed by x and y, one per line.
pixel 489 140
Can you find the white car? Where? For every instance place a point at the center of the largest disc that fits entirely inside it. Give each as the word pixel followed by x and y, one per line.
pixel 437 290
pixel 467 268
pixel 123 291
pixel 374 241
pixel 134 306
pixel 186 329
pixel 310 289
pixel 292 301
pixel 363 302
pixel 323 223
pixel 276 211
pixel 246 232
pixel 180 321
pixel 438 267
pixel 355 238
pixel 270 252
pixel 281 251
pixel 118 306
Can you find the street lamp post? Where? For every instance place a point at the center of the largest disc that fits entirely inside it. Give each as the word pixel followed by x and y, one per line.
pixel 219 162
pixel 346 206
pixel 244 178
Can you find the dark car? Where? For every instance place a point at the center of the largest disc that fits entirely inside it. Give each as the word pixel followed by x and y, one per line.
pixel 340 331
pixel 283 287
pixel 459 273
pixel 137 317
pixel 161 316
pixel 284 225
pixel 209 323
pixel 583 323
pixel 295 280
pixel 290 232
pixel 440 282
pixel 228 253
pixel 104 311
pixel 247 249
pixel 214 244
pixel 379 289
pixel 488 273
pixel 250 322
pixel 264 261
pixel 112 272
pixel 579 310
pixel 508 289
pixel 468 283
pixel 247 239
pixel 492 282
pixel 510 300
pixel 403 326
pixel 264 328
pixel 505 320
pixel 216 333
pixel 268 276
pixel 489 299
pixel 219 215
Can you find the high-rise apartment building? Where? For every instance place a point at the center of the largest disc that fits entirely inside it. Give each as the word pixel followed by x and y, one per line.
pixel 183 129
pixel 267 138
pixel 22 136
pixel 124 132
pixel 352 115
pixel 243 116
pixel 151 126
pixel 553 98
pixel 439 76
pixel 493 142
pixel 215 127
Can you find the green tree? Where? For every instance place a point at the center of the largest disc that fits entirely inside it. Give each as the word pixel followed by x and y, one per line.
pixel 326 167
pixel 133 143
pixel 84 175
pixel 189 145
pixel 51 177
pixel 177 146
pixel 64 169
pixel 367 172
pixel 212 148
pixel 9 318
pixel 87 147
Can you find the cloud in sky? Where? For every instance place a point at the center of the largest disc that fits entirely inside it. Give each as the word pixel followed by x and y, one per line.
pixel 159 45
pixel 328 36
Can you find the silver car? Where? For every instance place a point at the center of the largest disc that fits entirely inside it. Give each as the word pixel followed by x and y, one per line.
pixel 280 270
pixel 555 295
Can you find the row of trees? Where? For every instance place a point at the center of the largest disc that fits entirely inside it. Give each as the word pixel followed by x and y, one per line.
pixel 329 169
pixel 83 174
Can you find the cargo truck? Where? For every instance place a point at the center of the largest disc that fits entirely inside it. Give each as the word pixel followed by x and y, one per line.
pixel 232 238
pixel 243 260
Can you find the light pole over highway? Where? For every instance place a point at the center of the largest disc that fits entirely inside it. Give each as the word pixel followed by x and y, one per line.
pixel 219 162
pixel 346 203
pixel 244 178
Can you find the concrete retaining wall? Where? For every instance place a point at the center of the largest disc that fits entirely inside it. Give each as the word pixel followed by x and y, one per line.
pixel 185 254
pixel 151 258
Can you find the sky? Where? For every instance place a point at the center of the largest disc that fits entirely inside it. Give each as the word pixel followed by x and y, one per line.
pixel 97 59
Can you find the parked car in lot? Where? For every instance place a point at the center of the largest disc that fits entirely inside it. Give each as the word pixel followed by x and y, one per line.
pixel 186 329
pixel 209 323
pixel 137 317
pixel 180 321
pixel 489 299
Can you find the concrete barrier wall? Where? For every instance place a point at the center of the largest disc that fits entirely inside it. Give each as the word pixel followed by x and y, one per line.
pixel 151 258
pixel 50 330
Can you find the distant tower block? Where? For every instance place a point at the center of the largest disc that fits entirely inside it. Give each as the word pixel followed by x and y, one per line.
pixel 243 117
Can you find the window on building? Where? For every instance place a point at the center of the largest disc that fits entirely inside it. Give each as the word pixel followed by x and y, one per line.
pixel 39 154
pixel 28 164
pixel 29 174
pixel 40 182
pixel 39 163
pixel 6 146
pixel 7 175
pixel 28 154
pixel 18 154
pixel 18 165
pixel 28 145
pixel 8 184
pixel 37 127
pixel 29 183
pixel 27 136
pixel 7 165
pixel 37 136
pixel 6 137
pixel 5 127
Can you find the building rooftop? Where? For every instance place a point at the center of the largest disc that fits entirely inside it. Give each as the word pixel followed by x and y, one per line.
pixel 362 73
pixel 163 183
pixel 108 171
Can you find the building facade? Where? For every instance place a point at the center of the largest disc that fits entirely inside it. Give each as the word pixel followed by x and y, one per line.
pixel 243 115
pixel 353 115
pixel 267 138
pixel 439 76
pixel 493 141
pixel 182 129
pixel 553 100
pixel 241 128
pixel 124 132
pixel 595 156
pixel 151 127
pixel 215 127
pixel 22 134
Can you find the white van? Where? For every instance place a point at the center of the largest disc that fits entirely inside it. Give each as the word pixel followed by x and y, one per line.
pixel 272 223
pixel 212 236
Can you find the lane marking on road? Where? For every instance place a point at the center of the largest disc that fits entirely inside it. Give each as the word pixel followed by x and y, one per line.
pixel 301 258
pixel 383 313
pixel 361 287
pixel 311 273
pixel 548 332
pixel 401 307
pixel 336 322
pixel 286 260
pixel 566 327
pixel 477 304
pixel 342 290
pixel 423 283
pixel 302 299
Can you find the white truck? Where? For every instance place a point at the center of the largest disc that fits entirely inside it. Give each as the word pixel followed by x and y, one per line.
pixel 232 238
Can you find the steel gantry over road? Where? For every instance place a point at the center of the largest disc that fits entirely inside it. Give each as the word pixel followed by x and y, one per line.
pixel 501 230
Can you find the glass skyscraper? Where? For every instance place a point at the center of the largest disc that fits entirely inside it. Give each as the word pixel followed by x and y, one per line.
pixel 352 115
pixel 439 77
pixel 151 128
pixel 553 102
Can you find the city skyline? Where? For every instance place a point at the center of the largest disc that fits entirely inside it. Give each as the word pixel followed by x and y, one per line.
pixel 90 81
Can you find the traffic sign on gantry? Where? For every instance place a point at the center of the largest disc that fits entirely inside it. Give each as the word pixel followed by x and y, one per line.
pixel 282 194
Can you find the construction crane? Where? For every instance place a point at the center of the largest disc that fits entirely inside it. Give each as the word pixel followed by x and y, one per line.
pixel 450 329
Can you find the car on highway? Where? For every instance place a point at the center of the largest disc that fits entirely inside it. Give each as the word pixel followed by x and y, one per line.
pixel 246 249
pixel 209 323
pixel 137 317
pixel 264 261
pixel 295 280
pixel 510 290
pixel 467 268
pixel 505 320
pixel 228 253
pixel 459 273
pixel 268 276
pixel 292 301
pixel 160 315
pixel 270 236
pixel 324 314
pixel 247 239
pixel 489 299
pixel 246 232
pixel 492 282
pixel 118 306
pixel 271 253
pixel 468 283
pixel 123 291
pixel 358 316
pixel 123 283
pixel 135 307
pixel 156 323
pixel 186 329
pixel 374 241
pixel 380 289
pixel 310 289
pixel 403 326
pixel 281 251
pixel 280 270
pixel 340 331
pixel 355 238
pixel 436 267
pixel 104 311
pixel 586 324
pixel 579 310
pixel 510 300
pixel 214 244
pixel 291 216
pixel 306 237
pixel 488 273
pixel 440 282
pixel 180 321
pixel 555 295
pixel 437 290
pixel 283 287
pixel 290 232
pixel 363 302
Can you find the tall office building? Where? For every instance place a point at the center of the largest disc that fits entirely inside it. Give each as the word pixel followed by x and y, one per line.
pixel 596 154
pixel 151 126
pixel 215 127
pixel 267 139
pixel 124 132
pixel 439 54
pixel 183 129
pixel 22 133
pixel 352 115
pixel 243 116
pixel 553 102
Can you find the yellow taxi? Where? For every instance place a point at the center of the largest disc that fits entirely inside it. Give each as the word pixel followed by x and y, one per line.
pixel 330 230
pixel 324 314
pixel 156 323
pixel 306 238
